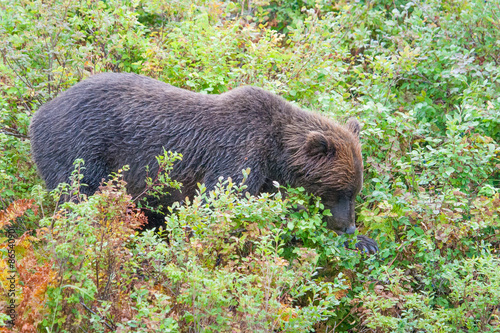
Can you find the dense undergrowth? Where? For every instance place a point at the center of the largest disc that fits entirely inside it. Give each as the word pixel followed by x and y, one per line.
pixel 422 76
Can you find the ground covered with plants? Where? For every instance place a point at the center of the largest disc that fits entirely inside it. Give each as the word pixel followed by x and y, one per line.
pixel 423 77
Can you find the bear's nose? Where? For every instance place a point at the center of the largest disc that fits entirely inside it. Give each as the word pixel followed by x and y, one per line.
pixel 350 230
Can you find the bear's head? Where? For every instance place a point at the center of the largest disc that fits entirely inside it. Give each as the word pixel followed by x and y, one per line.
pixel 328 164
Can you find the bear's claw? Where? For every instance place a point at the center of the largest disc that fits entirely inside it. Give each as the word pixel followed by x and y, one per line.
pixel 366 244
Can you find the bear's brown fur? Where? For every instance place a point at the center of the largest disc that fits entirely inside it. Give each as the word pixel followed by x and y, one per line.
pixel 111 120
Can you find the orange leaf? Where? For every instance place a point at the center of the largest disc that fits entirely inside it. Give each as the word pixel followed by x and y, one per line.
pixel 15 210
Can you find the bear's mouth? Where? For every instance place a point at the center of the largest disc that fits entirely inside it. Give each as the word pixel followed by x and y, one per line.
pixel 340 232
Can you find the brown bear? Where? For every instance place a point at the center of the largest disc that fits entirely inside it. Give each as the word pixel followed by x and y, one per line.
pixel 111 120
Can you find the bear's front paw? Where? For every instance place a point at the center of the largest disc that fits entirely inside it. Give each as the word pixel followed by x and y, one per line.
pixel 366 244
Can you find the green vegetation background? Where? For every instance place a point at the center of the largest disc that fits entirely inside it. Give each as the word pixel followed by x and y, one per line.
pixel 422 76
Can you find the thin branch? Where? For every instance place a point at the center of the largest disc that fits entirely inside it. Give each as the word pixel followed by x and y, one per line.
pixel 13 132
pixel 104 319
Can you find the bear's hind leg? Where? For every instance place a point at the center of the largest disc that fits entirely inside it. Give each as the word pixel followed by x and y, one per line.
pixel 95 173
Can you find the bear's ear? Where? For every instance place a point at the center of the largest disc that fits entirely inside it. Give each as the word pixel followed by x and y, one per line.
pixel 317 144
pixel 353 126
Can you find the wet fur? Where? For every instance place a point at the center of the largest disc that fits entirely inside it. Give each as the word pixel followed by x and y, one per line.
pixel 111 120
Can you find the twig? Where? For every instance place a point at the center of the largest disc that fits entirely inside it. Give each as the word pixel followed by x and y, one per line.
pixel 390 264
pixel 12 132
pixel 95 314
pixel 345 317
